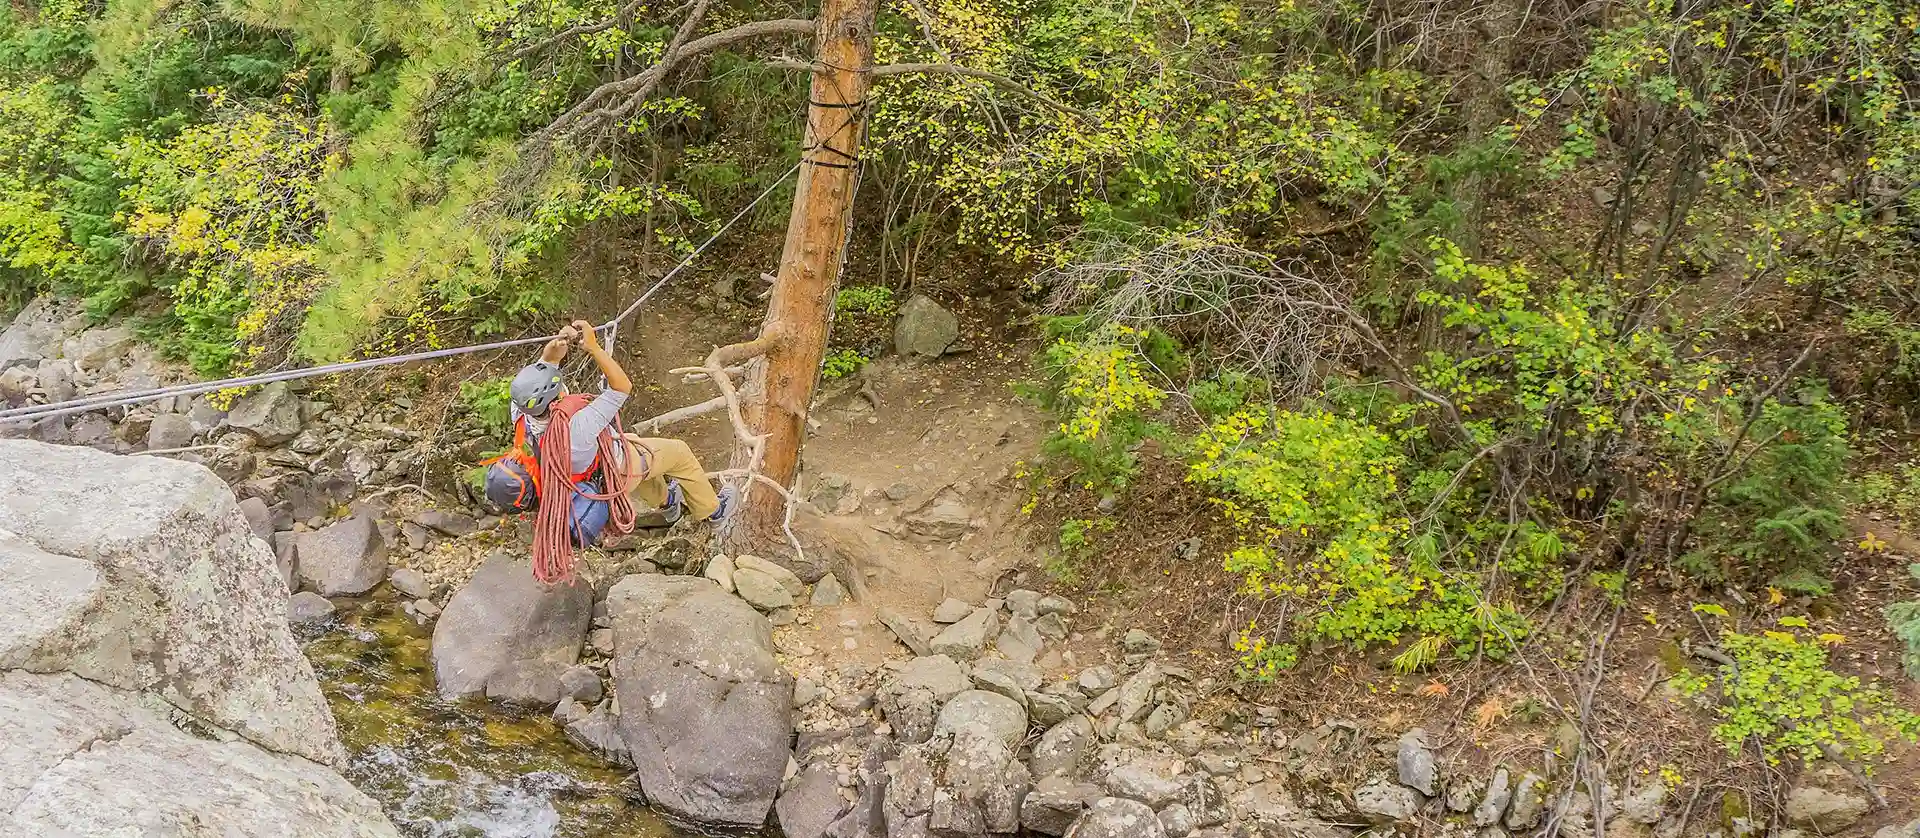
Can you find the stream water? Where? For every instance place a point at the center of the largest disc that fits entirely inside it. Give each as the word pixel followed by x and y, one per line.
pixel 458 769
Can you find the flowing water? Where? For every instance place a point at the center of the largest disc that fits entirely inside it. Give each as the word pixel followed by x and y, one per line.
pixel 445 769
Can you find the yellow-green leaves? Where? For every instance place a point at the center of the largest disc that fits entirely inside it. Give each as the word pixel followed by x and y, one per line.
pixel 1779 694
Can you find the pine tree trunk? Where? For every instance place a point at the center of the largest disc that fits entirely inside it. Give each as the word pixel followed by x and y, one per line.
pixel 780 386
pixel 1484 108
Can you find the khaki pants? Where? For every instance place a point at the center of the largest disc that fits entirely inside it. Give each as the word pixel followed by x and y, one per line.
pixel 658 459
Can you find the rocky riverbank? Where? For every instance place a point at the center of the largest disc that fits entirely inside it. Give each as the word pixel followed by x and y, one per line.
pixel 148 680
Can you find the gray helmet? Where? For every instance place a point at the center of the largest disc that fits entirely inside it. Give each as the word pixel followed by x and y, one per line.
pixel 535 387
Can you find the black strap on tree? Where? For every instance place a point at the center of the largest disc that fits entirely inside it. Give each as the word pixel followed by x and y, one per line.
pixel 852 160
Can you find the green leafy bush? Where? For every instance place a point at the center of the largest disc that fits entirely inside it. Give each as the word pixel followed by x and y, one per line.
pixel 1778 693
pixel 1103 388
pixel 874 301
pixel 1780 514
pixel 488 401
pixel 841 363
pixel 1317 498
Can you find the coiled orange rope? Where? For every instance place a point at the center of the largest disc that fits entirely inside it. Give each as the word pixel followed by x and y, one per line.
pixel 552 538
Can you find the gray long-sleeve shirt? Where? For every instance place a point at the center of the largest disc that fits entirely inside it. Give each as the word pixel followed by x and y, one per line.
pixel 583 429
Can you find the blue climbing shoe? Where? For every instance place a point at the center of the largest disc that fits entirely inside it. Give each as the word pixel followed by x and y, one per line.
pixel 675 504
pixel 727 496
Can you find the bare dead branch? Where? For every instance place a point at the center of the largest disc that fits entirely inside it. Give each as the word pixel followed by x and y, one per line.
pixel 695 375
pixel 715 370
pixel 735 353
pixel 615 100
pixel 682 414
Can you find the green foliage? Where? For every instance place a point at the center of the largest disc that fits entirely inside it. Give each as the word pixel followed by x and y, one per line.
pixel 1102 385
pixel 228 206
pixel 1227 391
pixel 1262 660
pixel 1781 515
pixel 488 401
pixel 865 301
pixel 842 363
pixel 1611 583
pixel 1544 346
pixel 1779 694
pixel 1895 490
pixel 1075 543
pixel 1903 618
pixel 1317 499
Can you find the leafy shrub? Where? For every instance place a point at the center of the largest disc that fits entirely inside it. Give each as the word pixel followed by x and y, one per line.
pixel 841 363
pixel 1224 393
pixel 865 300
pixel 1075 544
pixel 1780 515
pixel 1904 619
pixel 488 401
pixel 1101 385
pixel 1779 693
pixel 1896 490
pixel 229 206
pixel 1262 660
pixel 1317 498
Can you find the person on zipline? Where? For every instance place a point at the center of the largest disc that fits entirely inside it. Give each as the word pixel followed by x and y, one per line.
pixel 661 473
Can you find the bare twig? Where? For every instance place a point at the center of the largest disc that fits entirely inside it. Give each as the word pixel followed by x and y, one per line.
pixel 715 370
pixel 400 488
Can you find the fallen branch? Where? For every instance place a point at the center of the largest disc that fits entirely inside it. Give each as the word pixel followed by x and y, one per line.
pixel 682 414
pixel 700 374
pixel 400 488
pixel 715 370
pixel 182 450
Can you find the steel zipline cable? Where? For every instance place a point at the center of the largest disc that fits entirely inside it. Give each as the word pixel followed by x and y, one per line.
pixel 34 413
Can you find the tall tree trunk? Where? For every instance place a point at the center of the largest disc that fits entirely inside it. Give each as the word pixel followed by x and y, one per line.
pixel 800 313
pixel 1483 109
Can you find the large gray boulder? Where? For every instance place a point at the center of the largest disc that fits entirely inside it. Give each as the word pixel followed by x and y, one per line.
pixel 37 332
pixel 989 713
pixel 1827 811
pixel 81 759
pixel 924 328
pixel 811 802
pixel 1062 750
pixel 509 637
pixel 270 414
pixel 344 558
pixel 704 707
pixel 911 697
pixel 140 573
pixel 94 348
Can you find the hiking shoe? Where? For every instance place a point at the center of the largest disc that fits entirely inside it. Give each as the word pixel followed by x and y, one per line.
pixel 727 496
pixel 674 504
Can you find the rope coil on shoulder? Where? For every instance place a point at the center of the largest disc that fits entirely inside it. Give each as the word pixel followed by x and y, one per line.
pixel 552 533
